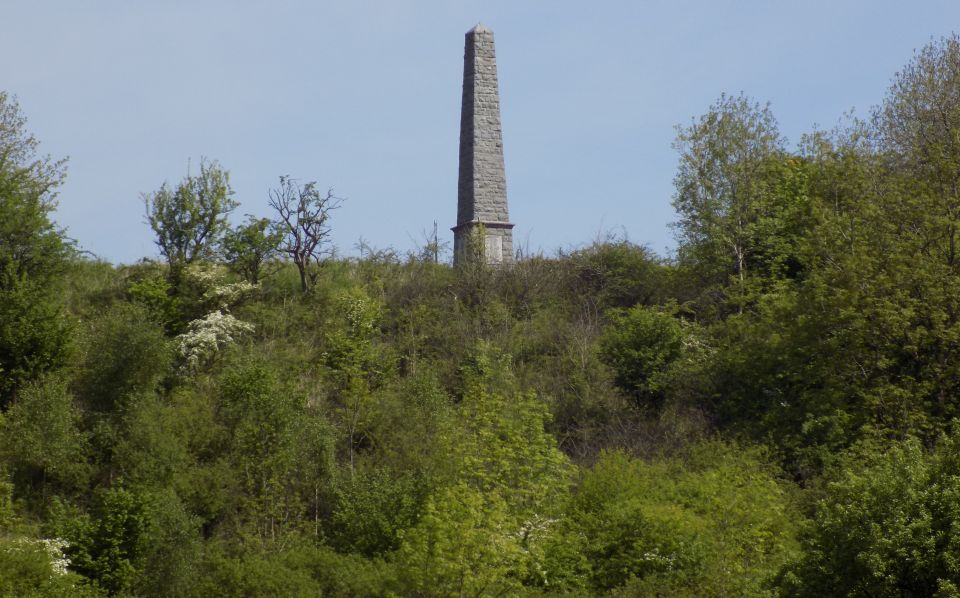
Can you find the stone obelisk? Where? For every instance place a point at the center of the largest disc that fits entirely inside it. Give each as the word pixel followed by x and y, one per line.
pixel 482 190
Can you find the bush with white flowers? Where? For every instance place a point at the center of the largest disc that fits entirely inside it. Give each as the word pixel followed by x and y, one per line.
pixel 206 337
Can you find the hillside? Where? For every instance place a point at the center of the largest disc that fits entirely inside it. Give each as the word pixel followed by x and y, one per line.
pixel 769 412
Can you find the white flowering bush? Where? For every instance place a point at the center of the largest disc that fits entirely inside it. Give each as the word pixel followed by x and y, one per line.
pixel 223 296
pixel 209 280
pixel 204 275
pixel 54 548
pixel 206 337
pixel 51 548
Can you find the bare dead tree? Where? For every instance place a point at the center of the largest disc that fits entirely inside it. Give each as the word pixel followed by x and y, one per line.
pixel 304 219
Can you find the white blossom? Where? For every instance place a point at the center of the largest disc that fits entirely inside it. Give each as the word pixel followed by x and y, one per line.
pixel 205 275
pixel 58 561
pixel 224 296
pixel 54 548
pixel 209 278
pixel 208 336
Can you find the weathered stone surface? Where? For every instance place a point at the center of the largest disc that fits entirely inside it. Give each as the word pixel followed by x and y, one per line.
pixel 482 189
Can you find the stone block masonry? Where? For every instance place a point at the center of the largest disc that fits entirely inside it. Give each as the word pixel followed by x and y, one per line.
pixel 482 188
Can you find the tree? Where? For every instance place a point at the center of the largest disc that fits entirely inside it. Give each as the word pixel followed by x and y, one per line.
pixel 40 441
pixel 885 525
pixel 248 247
pixel 640 344
pixel 722 176
pixel 33 254
pixel 304 214
pixel 190 220
pixel 110 545
pixel 918 129
pixel 125 354
pixel 30 244
pixel 711 521
pixel 482 533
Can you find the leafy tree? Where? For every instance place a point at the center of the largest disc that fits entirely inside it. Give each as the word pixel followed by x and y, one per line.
pixel 711 522
pixel 465 544
pixel 505 446
pixel 374 509
pixel 640 344
pixel 125 354
pixel 249 246
pixel 31 568
pixel 869 339
pixel 916 128
pixel 281 451
pixel 172 546
pixel 40 439
pixel 33 253
pixel 720 183
pixel 153 290
pixel 304 214
pixel 885 525
pixel 293 570
pixel 110 546
pixel 35 337
pixel 31 245
pixel 480 533
pixel 621 273
pixel 352 360
pixel 189 220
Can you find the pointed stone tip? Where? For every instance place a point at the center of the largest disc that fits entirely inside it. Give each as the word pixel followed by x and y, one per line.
pixel 479 28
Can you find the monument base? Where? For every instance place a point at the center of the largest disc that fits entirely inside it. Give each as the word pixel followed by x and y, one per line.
pixel 490 242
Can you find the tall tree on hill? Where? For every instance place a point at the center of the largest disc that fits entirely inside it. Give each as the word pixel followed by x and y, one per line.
pixel 190 219
pixel 33 253
pixel 723 177
pixel 304 215
pixel 250 246
pixel 918 130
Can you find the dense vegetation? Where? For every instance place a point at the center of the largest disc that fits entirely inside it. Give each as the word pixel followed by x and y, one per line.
pixel 771 411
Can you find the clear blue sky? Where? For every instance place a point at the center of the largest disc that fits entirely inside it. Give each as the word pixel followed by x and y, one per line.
pixel 364 97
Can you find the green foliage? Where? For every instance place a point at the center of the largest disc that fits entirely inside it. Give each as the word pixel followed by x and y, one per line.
pixel 109 546
pixel 848 321
pixel 29 566
pixel 27 571
pixel 125 353
pixel 349 575
pixel 281 450
pixel 248 247
pixel 354 362
pixel 31 247
pixel 720 181
pixel 620 273
pixel 640 344
pixel 577 424
pixel 481 535
pixel 190 220
pixel 504 445
pixel 152 449
pixel 90 285
pixel 40 440
pixel 885 525
pixel 465 544
pixel 255 575
pixel 745 207
pixel 34 336
pixel 172 548
pixel 156 294
pixel 374 509
pixel 712 522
